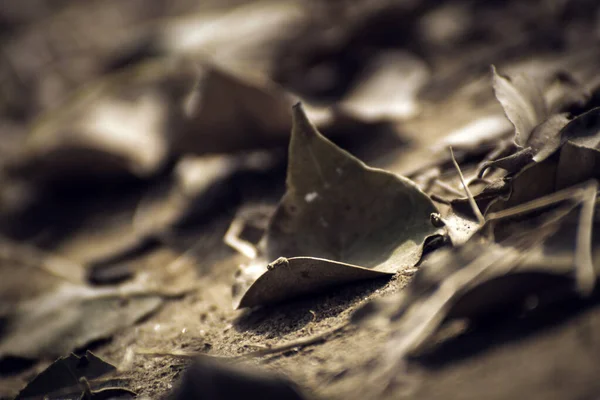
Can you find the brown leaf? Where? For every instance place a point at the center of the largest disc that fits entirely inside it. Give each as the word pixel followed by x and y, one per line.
pixel 286 278
pixel 340 212
pixel 46 314
pixel 226 113
pixel 532 256
pixel 580 155
pixel 523 101
pixel 116 125
pixel 387 89
pixel 64 374
pixel 209 379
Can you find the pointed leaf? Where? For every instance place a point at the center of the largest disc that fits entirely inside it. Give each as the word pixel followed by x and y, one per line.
pixel 523 102
pixel 341 213
pixel 338 208
pixel 66 372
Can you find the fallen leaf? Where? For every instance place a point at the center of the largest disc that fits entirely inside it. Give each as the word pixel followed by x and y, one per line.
pixel 533 108
pixel 340 213
pixel 262 283
pixel 580 155
pixel 535 256
pixel 47 314
pixel 562 160
pixel 337 208
pixel 387 90
pixel 212 380
pixel 119 124
pixel 61 378
pixel 523 101
pixel 226 113
pixel 196 185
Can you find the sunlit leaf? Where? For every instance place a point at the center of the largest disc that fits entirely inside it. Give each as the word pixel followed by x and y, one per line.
pixel 387 89
pixel 118 124
pixel 523 103
pixel 343 214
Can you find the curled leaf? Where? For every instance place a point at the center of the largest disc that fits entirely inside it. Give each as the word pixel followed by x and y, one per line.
pixel 561 160
pixel 340 213
pixel 523 101
pixel 287 278
pixel 538 255
pixel 539 131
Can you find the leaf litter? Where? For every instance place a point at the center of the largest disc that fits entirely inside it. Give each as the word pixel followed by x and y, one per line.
pixel 529 248
pixel 46 313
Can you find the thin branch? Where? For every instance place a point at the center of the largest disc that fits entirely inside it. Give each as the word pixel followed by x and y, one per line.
pixel 447 187
pixel 302 342
pixel 554 198
pixel 232 239
pixel 439 199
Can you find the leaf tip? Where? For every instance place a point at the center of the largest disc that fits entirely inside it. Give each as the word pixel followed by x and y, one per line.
pixel 301 125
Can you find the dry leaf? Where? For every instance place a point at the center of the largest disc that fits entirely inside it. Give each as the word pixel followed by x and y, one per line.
pixel 387 89
pixel 46 315
pixel 226 113
pixel 286 278
pixel 580 155
pixel 338 211
pixel 565 159
pixel 61 378
pixel 539 129
pixel 212 380
pixel 196 185
pixel 119 124
pixel 532 256
pixel 523 101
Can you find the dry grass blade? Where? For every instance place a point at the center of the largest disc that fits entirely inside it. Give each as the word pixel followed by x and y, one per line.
pixel 585 272
pixel 472 202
